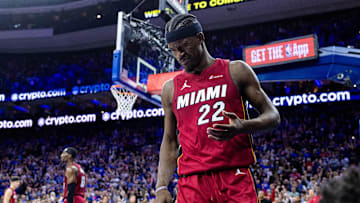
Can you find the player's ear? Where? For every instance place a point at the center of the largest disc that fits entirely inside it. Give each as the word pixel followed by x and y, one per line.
pixel 201 37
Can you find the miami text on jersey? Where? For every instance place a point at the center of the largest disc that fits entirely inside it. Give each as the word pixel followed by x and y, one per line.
pixel 201 95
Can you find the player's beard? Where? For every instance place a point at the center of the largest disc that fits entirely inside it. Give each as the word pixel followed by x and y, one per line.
pixel 191 65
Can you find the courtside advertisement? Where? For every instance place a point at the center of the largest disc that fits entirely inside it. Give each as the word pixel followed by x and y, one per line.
pixel 282 52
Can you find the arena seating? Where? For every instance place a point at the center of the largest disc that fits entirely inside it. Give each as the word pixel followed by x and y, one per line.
pixel 312 145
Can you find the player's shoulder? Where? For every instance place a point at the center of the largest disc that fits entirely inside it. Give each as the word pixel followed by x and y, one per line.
pixel 239 65
pixel 71 169
pixel 240 70
pixel 8 191
pixel 167 92
pixel 168 85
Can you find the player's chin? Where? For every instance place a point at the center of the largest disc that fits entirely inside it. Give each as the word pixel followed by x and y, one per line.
pixel 187 67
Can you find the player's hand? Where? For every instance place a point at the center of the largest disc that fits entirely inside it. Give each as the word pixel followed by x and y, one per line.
pixel 222 132
pixel 163 196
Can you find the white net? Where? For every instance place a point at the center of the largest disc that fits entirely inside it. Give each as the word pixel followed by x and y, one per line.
pixel 124 98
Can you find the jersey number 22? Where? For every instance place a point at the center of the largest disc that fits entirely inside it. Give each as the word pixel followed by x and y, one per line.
pixel 205 109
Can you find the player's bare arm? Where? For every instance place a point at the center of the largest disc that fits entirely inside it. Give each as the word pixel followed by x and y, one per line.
pixel 169 146
pixel 246 81
pixel 7 196
pixel 71 174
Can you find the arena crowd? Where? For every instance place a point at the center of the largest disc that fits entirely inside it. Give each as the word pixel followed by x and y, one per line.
pixel 312 145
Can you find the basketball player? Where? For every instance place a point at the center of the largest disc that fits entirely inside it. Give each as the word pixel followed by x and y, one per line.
pixel 10 194
pixel 206 103
pixel 75 179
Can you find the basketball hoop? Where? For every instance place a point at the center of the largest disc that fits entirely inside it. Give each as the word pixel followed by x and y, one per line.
pixel 124 98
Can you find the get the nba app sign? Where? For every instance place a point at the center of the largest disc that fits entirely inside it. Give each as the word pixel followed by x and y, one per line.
pixel 280 52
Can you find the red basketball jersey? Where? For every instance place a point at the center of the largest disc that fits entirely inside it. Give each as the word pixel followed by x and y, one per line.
pixel 197 104
pixel 13 196
pixel 80 182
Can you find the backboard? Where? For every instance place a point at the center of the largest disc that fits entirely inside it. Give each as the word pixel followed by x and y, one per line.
pixel 141 50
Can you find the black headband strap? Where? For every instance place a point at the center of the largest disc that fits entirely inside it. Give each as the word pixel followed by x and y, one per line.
pixel 182 33
pixel 16 178
pixel 70 151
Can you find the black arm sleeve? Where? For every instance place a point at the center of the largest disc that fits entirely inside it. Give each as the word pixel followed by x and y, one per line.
pixel 21 189
pixel 71 192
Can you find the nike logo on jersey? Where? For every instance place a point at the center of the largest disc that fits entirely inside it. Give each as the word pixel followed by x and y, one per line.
pixel 238 172
pixel 202 95
pixel 185 86
pixel 215 76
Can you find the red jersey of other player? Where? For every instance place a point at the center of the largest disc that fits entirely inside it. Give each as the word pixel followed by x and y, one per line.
pixel 80 181
pixel 10 193
pixel 74 179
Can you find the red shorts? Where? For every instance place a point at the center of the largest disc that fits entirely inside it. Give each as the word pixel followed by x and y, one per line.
pixel 77 199
pixel 235 185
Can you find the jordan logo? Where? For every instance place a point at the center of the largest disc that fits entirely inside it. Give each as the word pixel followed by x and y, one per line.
pixel 215 76
pixel 238 172
pixel 185 86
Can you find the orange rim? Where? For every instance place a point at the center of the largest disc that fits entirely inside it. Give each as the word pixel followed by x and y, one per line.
pixel 115 86
pixel 123 93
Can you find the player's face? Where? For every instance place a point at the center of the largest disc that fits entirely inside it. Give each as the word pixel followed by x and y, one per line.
pixel 188 52
pixel 16 183
pixel 64 156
